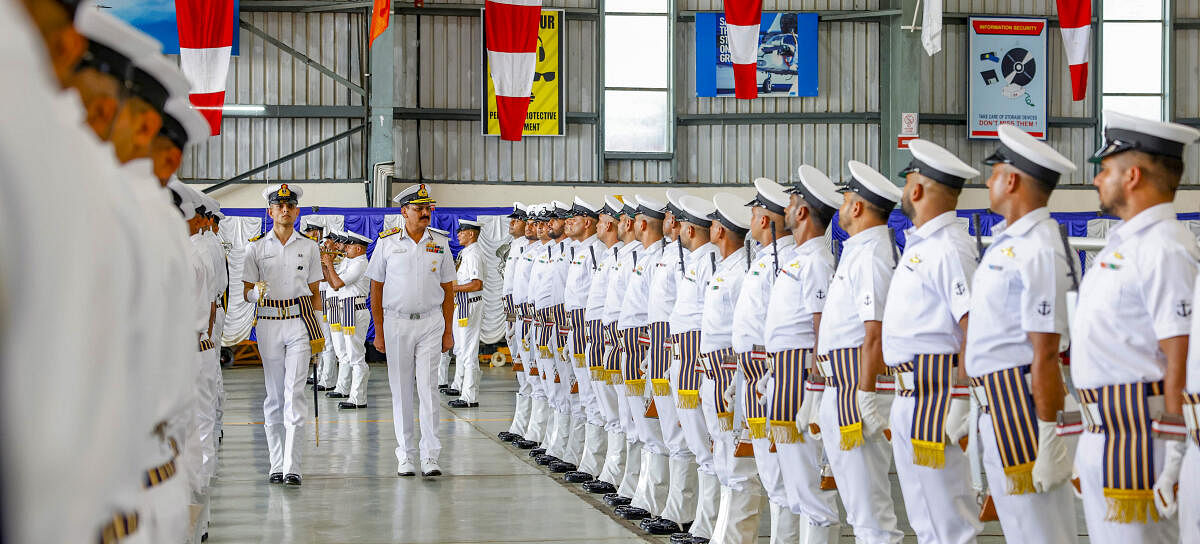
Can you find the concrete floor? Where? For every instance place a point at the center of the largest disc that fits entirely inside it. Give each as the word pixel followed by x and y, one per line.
pixel 491 492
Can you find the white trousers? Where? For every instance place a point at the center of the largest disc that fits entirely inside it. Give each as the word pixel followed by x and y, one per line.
pixel 1189 495
pixel 1089 465
pixel 862 477
pixel 708 504
pixel 940 503
pixel 737 517
pixel 353 370
pixel 524 388
pixel 800 472
pixel 695 430
pixel 207 416
pixel 283 345
pixel 443 369
pixel 1034 518
pixel 327 372
pixel 218 331
pixel 466 355
pixel 413 346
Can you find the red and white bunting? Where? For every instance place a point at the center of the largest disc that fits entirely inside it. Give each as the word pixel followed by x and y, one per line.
pixel 512 32
pixel 742 21
pixel 205 44
pixel 1075 16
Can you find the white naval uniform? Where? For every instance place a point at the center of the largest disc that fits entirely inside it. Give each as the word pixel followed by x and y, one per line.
pixel 412 273
pixel 535 425
pixel 578 285
pixel 515 280
pixel 686 317
pixel 624 454
pixel 466 335
pixel 221 269
pixel 327 370
pixel 1137 292
pixel 288 269
pixel 857 294
pixel 749 316
pixel 206 383
pixel 49 495
pixel 929 295
pixel 602 413
pixel 353 370
pixel 1020 288
pixel 799 293
pixel 1189 492
pixel 546 281
pixel 644 481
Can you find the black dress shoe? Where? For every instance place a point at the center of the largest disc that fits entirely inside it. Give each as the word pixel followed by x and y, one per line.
pixel 452 392
pixel 350 405
pixel 699 540
pixel 545 460
pixel 660 526
pixel 443 387
pixel 308 381
pixel 459 403
pixel 537 451
pixel 561 467
pixel 631 513
pixel 576 477
pixel 599 487
pixel 292 479
pixel 507 436
pixel 614 500
pixel 322 388
pixel 276 478
pixel 682 538
pixel 525 444
pixel 336 395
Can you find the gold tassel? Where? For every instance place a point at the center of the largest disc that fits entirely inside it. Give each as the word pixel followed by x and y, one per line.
pixel 689 399
pixel 725 421
pixel 662 388
pixel 1130 505
pixel 335 327
pixel 317 345
pixel 785 432
pixel 544 351
pixel 614 377
pixel 1020 478
pixel 580 360
pixel 929 454
pixel 463 322
pixel 635 388
pixel 597 373
pixel 758 427
pixel 348 330
pixel 852 436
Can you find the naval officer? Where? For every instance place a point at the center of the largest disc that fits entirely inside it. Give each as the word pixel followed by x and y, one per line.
pixel 412 303
pixel 468 308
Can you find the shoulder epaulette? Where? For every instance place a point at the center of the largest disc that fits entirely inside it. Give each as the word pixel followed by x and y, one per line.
pixel 256 238
pixel 389 232
pixel 439 235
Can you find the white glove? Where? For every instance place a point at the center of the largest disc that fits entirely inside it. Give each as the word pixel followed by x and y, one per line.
pixel 1164 484
pixel 259 292
pixel 1053 465
pixel 807 413
pixel 762 388
pixel 873 423
pixel 958 419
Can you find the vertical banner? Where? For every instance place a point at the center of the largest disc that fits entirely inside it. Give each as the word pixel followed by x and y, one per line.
pixel 548 100
pixel 158 19
pixel 787 55
pixel 1007 67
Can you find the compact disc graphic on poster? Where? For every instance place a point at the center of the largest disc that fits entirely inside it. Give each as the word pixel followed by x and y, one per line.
pixel 1007 75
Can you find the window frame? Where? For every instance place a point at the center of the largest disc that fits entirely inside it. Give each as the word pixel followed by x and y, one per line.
pixel 669 153
pixel 1165 45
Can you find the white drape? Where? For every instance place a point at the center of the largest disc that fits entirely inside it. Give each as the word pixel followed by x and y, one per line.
pixel 239 316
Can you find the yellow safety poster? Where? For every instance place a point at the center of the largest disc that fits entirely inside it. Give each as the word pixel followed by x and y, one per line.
pixel 548 102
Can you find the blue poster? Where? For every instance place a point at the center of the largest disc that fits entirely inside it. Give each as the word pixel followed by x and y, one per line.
pixel 787 55
pixel 1007 62
pixel 157 18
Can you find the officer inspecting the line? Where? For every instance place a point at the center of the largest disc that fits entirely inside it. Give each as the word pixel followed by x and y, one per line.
pixel 793 317
pixel 351 282
pixel 412 304
pixel 690 383
pixel 924 336
pixel 468 314
pixel 1130 337
pixel 1017 329
pixel 514 332
pixel 853 420
pixel 749 315
pixel 280 275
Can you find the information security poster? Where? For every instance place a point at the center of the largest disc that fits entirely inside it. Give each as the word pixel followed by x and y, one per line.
pixel 787 55
pixel 1008 67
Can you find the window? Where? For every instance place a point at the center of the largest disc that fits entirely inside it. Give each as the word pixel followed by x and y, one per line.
pixel 1133 57
pixel 638 116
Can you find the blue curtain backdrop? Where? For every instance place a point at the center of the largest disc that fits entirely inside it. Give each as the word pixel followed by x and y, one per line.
pixel 369 222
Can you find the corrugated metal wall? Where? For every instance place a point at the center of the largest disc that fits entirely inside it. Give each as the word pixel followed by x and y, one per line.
pixel 263 74
pixel 1186 74
pixel 443 71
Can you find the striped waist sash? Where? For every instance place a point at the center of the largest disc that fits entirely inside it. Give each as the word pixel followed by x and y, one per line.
pixel 844 367
pixel 316 338
pixel 595 349
pixel 462 306
pixel 332 316
pixel 545 325
pixel 510 309
pixel 1010 405
pixel 205 345
pixel 575 324
pixel 1191 416
pixel 163 472
pixel 687 348
pixel 612 356
pixel 787 394
pixel 1122 414
pixel 754 366
pixel 660 357
pixel 350 305
pixel 122 526
pixel 631 367
pixel 933 385
pixel 723 365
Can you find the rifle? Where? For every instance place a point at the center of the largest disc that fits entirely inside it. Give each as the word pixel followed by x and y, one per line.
pixel 975 222
pixel 895 253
